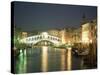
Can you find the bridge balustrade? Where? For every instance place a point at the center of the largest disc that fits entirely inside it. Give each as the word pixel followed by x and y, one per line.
pixel 37 38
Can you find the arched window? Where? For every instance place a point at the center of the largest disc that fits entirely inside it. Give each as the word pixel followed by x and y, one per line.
pixel 40 37
pixel 32 39
pixel 48 37
pixel 29 39
pixel 51 38
pixel 35 38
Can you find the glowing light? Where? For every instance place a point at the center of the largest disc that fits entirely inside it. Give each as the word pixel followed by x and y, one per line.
pixel 22 64
pixel 69 63
pixel 38 38
pixel 20 51
pixel 44 58
pixel 85 33
pixel 25 52
pixel 69 42
pixel 63 59
pixel 45 34
pixel 63 37
pixel 85 38
pixel 24 33
pixel 90 41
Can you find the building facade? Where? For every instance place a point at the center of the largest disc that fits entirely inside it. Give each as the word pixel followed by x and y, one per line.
pixel 89 42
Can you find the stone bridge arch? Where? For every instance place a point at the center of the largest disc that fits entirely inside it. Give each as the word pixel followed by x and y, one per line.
pixel 42 37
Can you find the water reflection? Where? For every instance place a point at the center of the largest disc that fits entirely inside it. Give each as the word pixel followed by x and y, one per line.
pixel 82 63
pixel 22 62
pixel 63 59
pixel 69 59
pixel 44 58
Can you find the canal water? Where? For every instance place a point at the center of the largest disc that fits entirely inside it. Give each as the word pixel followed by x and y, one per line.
pixel 45 58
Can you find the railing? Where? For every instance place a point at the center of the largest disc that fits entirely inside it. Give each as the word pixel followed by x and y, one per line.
pixel 41 37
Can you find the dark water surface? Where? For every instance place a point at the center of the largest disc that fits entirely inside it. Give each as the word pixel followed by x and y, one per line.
pixel 43 59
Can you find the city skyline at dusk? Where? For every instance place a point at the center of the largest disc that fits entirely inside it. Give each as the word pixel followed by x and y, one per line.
pixel 53 37
pixel 40 16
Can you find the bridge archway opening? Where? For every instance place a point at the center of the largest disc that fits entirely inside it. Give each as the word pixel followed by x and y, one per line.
pixel 44 43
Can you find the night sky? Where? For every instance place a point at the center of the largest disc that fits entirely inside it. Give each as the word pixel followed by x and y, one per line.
pixel 39 16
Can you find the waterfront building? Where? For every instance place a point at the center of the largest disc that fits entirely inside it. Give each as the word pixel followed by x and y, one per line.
pixel 54 32
pixel 63 36
pixel 24 34
pixel 89 41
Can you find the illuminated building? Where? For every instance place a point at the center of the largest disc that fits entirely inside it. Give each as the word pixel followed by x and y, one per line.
pixel 54 32
pixel 73 35
pixel 89 41
pixel 85 33
pixel 24 34
pixel 76 35
pixel 63 36
pixel 68 35
pixel 89 32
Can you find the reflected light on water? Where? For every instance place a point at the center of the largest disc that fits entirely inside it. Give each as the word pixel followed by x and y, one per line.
pixel 69 58
pixel 44 58
pixel 63 59
pixel 22 62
